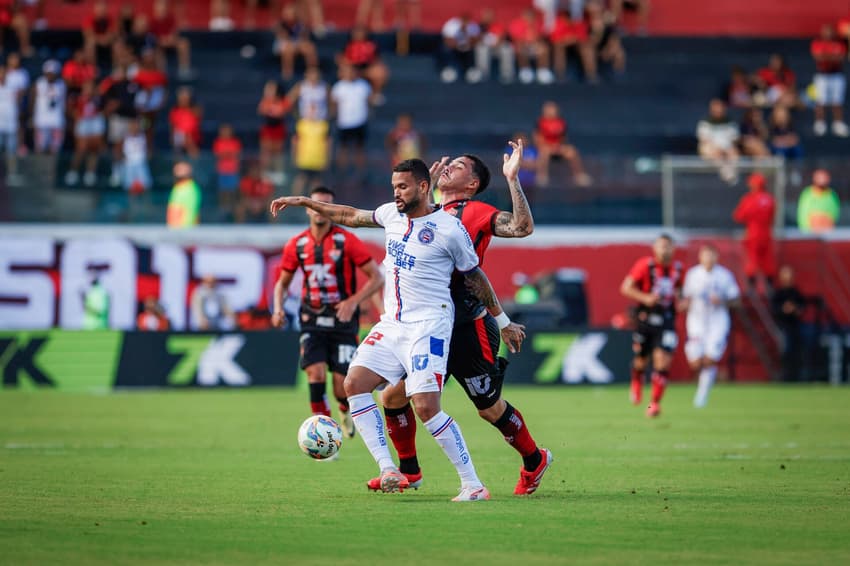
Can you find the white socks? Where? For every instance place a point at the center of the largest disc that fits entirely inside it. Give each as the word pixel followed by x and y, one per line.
pixel 706 380
pixel 447 434
pixel 370 424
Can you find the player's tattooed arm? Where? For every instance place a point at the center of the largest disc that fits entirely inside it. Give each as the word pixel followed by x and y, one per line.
pixel 519 223
pixel 479 285
pixel 337 213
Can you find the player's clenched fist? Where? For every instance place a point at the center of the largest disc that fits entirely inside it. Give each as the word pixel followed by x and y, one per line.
pixel 513 335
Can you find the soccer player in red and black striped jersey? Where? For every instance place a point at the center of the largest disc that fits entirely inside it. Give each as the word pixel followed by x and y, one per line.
pixel 655 283
pixel 473 354
pixel 329 256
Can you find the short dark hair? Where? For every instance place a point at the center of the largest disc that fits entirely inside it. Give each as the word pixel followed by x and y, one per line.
pixel 416 167
pixel 322 190
pixel 665 236
pixel 480 170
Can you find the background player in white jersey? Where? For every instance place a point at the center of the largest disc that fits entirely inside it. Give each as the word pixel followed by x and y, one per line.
pixel 424 245
pixel 710 289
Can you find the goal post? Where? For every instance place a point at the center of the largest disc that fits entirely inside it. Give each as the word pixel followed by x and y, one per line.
pixel 694 196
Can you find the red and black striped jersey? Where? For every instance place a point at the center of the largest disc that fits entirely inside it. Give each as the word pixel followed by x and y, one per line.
pixel 665 281
pixel 479 219
pixel 330 273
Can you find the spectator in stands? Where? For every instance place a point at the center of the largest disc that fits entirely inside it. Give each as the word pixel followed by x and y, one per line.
pixel 777 83
pixel 210 310
pixel 641 7
pixel 292 38
pixel 273 108
pixel 76 72
pixel 738 91
pixel 184 203
pixel 829 53
pixel 757 211
pixel 137 175
pixel 603 35
pixel 370 14
pixel 254 192
pixel 119 102
pixel 19 78
pixel 784 140
pixel 404 141
pixel 140 38
pixel 220 19
pixel 228 155
pixel 9 122
pixel 150 98
pixel 754 134
pixel 313 14
pixel 310 94
pixel 529 41
pixel 311 150
pixel 717 136
pixel 460 35
pixel 49 100
pixel 152 318
pixel 350 100
pixel 165 29
pixel 788 305
pixel 550 137
pixel 494 43
pixel 362 52
pixel 12 17
pixel 185 121
pixel 89 128
pixel 126 13
pixel 99 34
pixel 819 207
pixel 567 34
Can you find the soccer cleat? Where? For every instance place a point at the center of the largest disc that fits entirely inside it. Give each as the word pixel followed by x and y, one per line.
pixel 347 423
pixel 653 410
pixel 636 392
pixel 530 481
pixel 472 494
pixel 392 480
pixel 413 481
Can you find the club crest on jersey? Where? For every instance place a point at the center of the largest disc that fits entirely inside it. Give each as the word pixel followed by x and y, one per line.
pixel 426 235
pixel 335 254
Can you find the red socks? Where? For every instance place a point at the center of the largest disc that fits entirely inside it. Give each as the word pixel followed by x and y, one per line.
pixel 401 426
pixel 513 428
pixel 659 384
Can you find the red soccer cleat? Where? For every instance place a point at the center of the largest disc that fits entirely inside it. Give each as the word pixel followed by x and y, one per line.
pixel 413 481
pixel 530 481
pixel 653 410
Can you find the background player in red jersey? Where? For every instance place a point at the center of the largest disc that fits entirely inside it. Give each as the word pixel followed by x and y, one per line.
pixel 329 256
pixel 473 354
pixel 655 282
pixel 756 211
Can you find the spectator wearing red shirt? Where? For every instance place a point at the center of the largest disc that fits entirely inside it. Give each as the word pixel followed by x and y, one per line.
pixel 165 29
pixel 273 108
pixel 185 121
pixel 254 192
pixel 228 152
pixel 77 71
pixel 550 137
pixel 778 82
pixel 756 211
pixel 829 53
pixel 362 52
pixel 292 38
pixel 13 18
pixel 526 33
pixel 152 318
pixel 494 42
pixel 567 34
pixel 99 33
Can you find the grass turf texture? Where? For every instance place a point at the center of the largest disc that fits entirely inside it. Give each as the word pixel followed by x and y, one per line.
pixel 760 476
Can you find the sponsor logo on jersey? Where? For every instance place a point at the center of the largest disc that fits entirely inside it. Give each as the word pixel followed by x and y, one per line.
pixel 426 235
pixel 478 385
pixel 401 258
pixel 420 362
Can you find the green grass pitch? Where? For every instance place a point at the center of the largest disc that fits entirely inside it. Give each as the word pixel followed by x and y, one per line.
pixel 761 476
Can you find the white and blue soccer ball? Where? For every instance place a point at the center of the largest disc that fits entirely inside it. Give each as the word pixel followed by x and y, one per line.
pixel 320 437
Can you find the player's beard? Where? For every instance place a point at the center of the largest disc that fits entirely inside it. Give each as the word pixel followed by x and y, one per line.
pixel 407 206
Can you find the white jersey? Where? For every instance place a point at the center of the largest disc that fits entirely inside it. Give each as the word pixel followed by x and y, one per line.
pixel 700 286
pixel 8 108
pixel 135 149
pixel 315 95
pixel 49 104
pixel 421 254
pixel 352 103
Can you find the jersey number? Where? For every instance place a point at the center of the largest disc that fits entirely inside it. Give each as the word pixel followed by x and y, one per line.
pixel 372 338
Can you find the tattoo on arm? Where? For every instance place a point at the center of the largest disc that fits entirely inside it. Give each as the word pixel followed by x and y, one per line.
pixel 342 214
pixel 478 284
pixel 519 223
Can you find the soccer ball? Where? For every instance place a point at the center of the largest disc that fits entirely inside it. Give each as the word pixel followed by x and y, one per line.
pixel 320 437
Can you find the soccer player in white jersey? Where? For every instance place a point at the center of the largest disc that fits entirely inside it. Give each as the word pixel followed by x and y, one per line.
pixel 709 290
pixel 424 245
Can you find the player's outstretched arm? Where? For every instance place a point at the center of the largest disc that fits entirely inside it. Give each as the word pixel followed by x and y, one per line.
pixel 479 285
pixel 519 223
pixel 337 213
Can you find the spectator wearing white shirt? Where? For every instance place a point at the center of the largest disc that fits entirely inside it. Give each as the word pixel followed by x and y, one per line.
pixel 709 290
pixel 136 171
pixel 49 98
pixel 350 100
pixel 718 137
pixel 19 77
pixel 8 122
pixel 457 54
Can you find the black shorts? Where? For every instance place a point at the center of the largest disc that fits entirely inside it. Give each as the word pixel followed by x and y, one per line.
pixel 352 136
pixel 333 348
pixel 475 363
pixel 647 338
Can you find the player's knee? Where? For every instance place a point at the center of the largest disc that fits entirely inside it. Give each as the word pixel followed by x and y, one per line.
pixel 426 406
pixel 394 397
pixel 492 414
